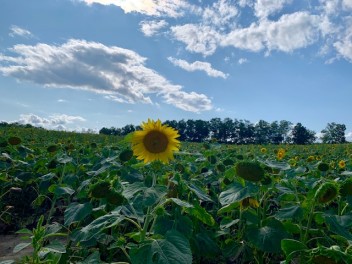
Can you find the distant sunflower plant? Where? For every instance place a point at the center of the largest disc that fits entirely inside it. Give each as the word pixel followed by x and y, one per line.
pixel 155 142
pixel 342 164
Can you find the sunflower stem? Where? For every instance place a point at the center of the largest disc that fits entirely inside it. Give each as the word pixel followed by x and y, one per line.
pixel 148 218
pixel 309 222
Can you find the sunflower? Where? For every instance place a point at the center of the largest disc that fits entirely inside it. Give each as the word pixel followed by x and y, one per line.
pixel 249 202
pixel 263 150
pixel 155 142
pixel 280 153
pixel 342 164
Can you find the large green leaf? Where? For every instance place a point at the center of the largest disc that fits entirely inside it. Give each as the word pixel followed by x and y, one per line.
pixel 335 226
pixel 7 262
pixel 268 237
pixel 276 164
pixel 20 246
pixel 173 249
pixel 237 193
pixel 55 246
pixel 60 190
pixel 97 226
pixel 291 245
pixel 205 244
pixel 153 194
pixel 201 214
pixel 291 212
pixel 92 258
pixel 181 203
pixel 76 212
pixel 132 189
pixel 200 193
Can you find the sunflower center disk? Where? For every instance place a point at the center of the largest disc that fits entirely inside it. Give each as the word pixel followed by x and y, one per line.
pixel 155 142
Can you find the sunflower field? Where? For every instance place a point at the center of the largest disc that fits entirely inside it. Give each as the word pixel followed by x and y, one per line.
pixel 148 198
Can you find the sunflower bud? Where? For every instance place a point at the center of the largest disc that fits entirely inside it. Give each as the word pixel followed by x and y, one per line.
pixel 126 155
pixel 114 197
pixel 327 192
pixel 51 148
pixel 14 140
pixel 250 171
pixel 323 166
pixel 100 189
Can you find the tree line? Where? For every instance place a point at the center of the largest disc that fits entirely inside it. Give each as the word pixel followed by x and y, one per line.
pixel 234 131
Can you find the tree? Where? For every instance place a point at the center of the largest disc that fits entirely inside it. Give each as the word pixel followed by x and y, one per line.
pixel 334 133
pixel 262 132
pixel 301 135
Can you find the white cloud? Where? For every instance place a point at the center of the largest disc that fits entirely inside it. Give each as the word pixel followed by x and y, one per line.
pixel 62 101
pixel 221 13
pixel 349 136
pixel 198 66
pixel 57 121
pixel 17 31
pixel 192 101
pixel 330 7
pixel 150 28
pixel 265 8
pixel 290 32
pixel 198 38
pixel 171 8
pixel 347 4
pixel 242 61
pixel 118 73
pixel 343 45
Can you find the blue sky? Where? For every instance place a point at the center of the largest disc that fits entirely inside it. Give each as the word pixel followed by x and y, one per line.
pixel 79 64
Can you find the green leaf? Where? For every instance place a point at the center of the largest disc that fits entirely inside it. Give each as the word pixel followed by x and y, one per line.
pixel 237 193
pixel 205 244
pixel 336 227
pixel 143 254
pixel 200 193
pixel 64 159
pixel 228 222
pixel 174 249
pixel 291 245
pixel 346 173
pixel 60 190
pixel 131 189
pixel 24 231
pixel 7 262
pixel 92 258
pixel 96 227
pixel 228 208
pixel 268 237
pixel 276 164
pixel 55 246
pixel 292 212
pixel 230 173
pixel 76 212
pixel 20 246
pixel 201 214
pixel 153 194
pixel 181 203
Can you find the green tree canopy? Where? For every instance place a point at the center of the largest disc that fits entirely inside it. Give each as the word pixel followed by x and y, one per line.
pixel 301 135
pixel 334 133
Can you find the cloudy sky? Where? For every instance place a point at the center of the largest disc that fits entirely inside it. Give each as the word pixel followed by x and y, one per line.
pixel 79 64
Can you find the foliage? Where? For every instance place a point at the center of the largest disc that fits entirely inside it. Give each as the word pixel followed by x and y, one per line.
pixel 300 135
pixel 334 133
pixel 108 207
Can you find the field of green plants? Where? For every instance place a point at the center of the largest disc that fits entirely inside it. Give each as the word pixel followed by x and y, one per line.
pixel 84 198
